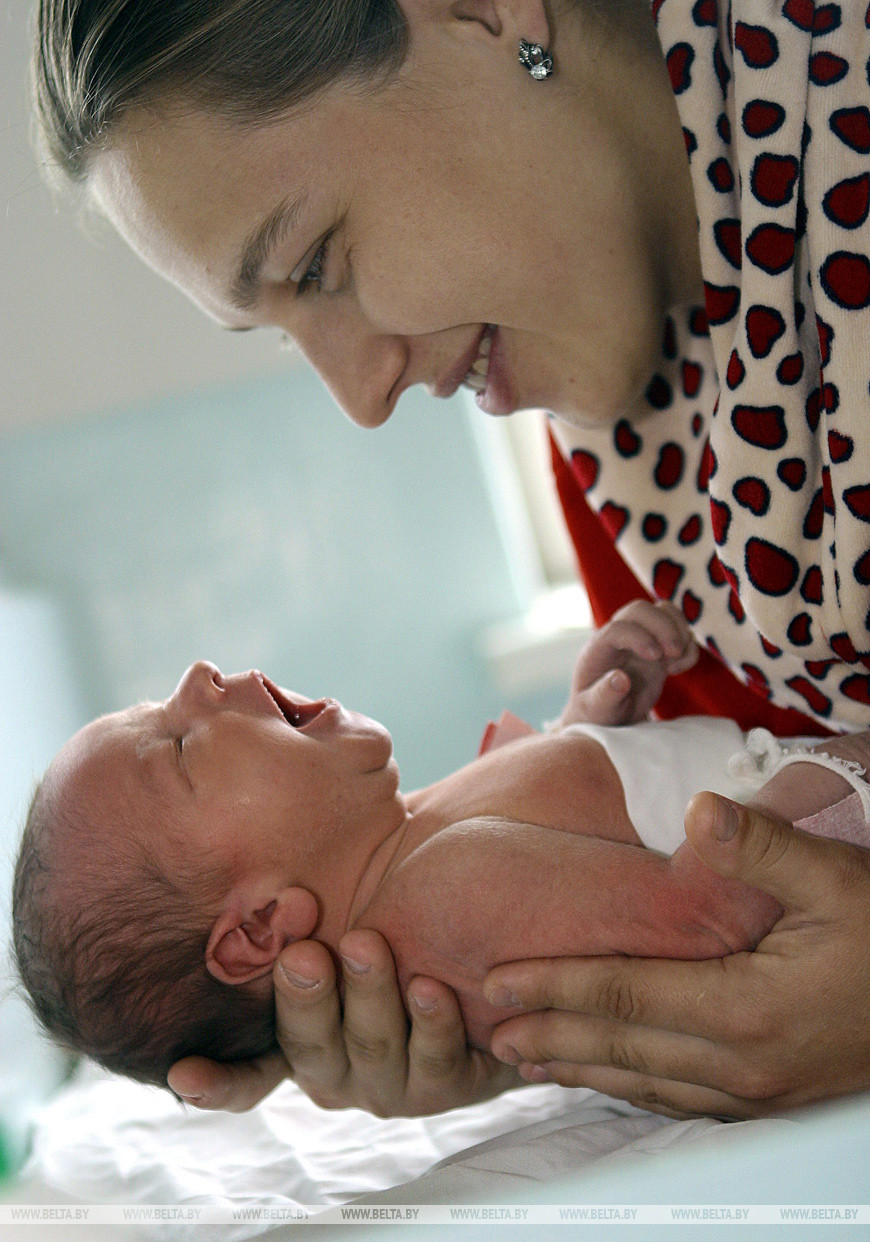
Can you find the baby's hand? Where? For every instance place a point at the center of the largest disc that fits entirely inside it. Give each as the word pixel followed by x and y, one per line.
pixel 621 670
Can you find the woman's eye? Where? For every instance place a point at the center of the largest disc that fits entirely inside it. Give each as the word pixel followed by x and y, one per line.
pixel 313 276
pixel 179 744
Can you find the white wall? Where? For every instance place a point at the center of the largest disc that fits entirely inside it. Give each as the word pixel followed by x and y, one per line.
pixel 84 326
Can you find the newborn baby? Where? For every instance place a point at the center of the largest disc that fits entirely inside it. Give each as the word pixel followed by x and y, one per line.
pixel 174 849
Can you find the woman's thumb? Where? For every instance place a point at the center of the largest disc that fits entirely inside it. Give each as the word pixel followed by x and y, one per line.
pixel 749 845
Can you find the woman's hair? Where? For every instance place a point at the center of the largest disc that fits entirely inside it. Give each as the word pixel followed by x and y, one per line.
pixel 111 952
pixel 248 60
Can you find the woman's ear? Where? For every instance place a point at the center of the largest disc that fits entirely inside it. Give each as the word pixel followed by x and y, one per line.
pixel 520 19
pixel 485 12
pixel 247 937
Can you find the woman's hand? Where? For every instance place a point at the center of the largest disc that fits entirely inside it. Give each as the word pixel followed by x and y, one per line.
pixel 742 1036
pixel 365 1059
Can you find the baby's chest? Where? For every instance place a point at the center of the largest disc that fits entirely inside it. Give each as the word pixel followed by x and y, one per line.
pixel 566 781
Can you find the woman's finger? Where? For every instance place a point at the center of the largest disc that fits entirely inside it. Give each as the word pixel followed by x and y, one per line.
pixel 806 874
pixel 553 1035
pixel 667 995
pixel 375 1022
pixel 230 1088
pixel 681 1100
pixel 308 1019
pixel 443 1071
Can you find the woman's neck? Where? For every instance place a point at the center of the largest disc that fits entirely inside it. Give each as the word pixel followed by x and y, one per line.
pixel 613 61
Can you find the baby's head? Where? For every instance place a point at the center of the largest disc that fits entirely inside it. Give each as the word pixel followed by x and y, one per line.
pixel 172 851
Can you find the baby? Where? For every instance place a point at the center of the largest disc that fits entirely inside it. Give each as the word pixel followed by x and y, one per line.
pixel 173 850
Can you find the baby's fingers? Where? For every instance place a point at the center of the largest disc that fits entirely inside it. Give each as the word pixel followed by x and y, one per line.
pixel 662 626
pixel 673 633
pixel 604 702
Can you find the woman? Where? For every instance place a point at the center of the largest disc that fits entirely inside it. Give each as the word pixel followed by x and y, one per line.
pixel 498 194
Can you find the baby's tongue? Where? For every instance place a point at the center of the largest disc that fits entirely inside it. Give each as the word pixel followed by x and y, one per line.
pixel 304 713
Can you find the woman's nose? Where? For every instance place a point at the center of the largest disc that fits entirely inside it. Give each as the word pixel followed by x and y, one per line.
pixel 201 689
pixel 362 368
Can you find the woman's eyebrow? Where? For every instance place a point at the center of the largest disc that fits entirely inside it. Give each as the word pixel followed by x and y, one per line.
pixel 258 247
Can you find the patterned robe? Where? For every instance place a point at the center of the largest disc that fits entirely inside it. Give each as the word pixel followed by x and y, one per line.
pixel 740 487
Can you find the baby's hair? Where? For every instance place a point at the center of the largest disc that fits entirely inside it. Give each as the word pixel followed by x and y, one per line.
pixel 113 961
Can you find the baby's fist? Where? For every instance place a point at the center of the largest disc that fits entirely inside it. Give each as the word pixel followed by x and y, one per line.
pixel 620 672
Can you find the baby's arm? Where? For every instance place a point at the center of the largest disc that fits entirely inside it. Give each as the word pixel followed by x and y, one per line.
pixel 487 891
pixel 620 672
pixel 812 797
pixel 802 789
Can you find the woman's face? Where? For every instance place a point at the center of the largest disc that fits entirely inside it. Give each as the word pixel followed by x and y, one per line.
pixel 398 234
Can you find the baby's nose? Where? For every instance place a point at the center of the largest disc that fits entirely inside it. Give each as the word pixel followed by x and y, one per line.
pixel 202 685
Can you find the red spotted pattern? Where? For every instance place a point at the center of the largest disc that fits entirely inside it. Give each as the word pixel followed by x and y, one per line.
pixel 852 127
pixel 847 202
pixel 846 279
pixel 771 247
pixel 740 487
pixel 773 179
pixel 760 425
pixel 764 327
pixel 757 44
pixel 761 118
pixel 770 568
pixel 752 494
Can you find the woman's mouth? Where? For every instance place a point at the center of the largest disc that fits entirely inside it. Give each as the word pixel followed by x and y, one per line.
pixel 489 376
pixel 475 377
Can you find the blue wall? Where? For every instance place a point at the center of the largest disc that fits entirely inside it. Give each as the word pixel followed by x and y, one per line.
pixel 257 526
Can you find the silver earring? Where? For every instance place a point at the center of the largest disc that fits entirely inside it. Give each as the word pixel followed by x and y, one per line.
pixel 536 59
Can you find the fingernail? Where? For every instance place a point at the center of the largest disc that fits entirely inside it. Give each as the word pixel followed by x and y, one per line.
pixel 535 1073
pixel 425 1003
pixel 725 823
pixel 502 998
pixel 298 981
pixel 355 967
pixel 509 1055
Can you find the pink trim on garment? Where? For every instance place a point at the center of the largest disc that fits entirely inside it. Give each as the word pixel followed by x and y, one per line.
pixel 506 729
pixel 842 822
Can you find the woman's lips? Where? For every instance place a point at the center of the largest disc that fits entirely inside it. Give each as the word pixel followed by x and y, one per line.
pixel 475 376
pixel 497 397
pixel 448 384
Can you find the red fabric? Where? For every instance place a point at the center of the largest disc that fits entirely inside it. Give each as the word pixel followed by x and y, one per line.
pixel 708 689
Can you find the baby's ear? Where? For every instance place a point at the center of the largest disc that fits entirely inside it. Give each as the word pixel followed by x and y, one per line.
pixel 245 942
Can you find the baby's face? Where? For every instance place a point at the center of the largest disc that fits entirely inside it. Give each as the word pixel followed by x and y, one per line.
pixel 251 777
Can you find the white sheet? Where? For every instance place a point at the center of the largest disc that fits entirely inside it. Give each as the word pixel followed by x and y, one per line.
pixel 104 1140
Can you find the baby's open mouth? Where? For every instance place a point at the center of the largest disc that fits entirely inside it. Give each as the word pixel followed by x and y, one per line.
pixel 297 712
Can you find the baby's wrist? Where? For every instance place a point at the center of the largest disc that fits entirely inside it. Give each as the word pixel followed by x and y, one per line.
pixel 800 789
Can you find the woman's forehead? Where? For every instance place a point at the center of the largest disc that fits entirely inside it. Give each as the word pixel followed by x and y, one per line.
pixel 188 192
